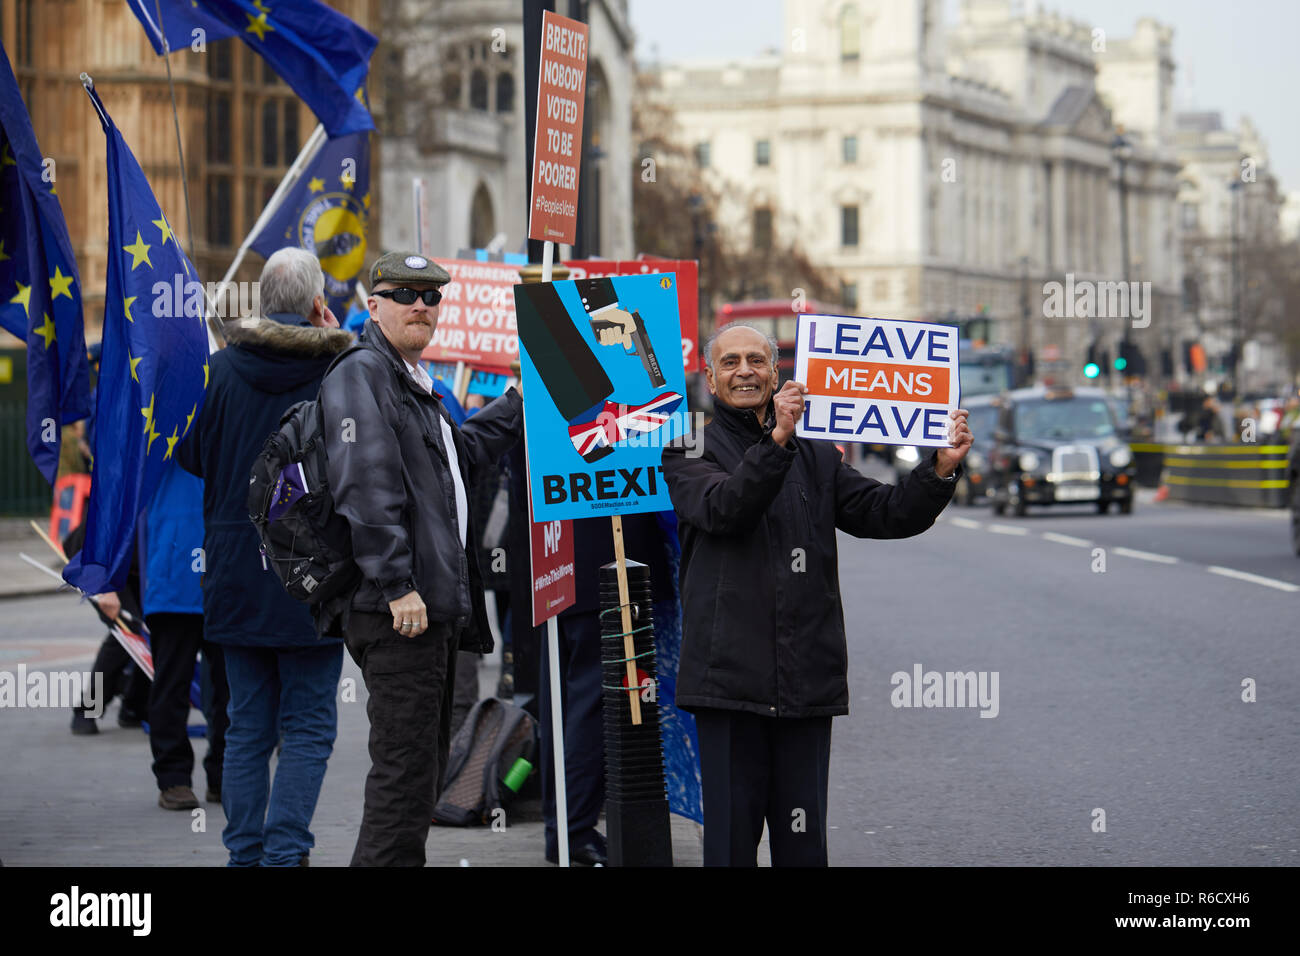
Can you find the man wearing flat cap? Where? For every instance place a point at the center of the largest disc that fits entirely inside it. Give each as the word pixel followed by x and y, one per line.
pixel 398 472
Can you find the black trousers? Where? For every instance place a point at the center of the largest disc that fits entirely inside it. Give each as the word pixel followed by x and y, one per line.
pixel 176 640
pixel 584 729
pixel 411 687
pixel 121 676
pixel 756 768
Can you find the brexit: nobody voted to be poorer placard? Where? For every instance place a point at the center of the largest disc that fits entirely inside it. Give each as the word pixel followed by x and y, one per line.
pixel 876 380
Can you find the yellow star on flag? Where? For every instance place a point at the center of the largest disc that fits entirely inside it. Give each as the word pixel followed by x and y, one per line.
pixel 7 158
pixel 171 442
pixel 134 362
pixel 139 252
pixel 258 25
pixel 126 307
pixel 24 298
pixel 47 331
pixel 165 229
pixel 365 200
pixel 148 425
pixel 189 420
pixel 205 374
pixel 3 256
pixel 316 184
pixel 60 284
pixel 258 5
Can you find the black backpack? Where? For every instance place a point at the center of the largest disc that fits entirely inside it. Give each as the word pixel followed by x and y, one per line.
pixel 304 540
pixel 494 737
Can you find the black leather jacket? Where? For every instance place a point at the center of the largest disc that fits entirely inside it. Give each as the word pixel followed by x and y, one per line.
pixel 389 476
pixel 762 622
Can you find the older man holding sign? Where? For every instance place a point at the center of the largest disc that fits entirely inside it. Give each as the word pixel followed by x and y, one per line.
pixel 764 656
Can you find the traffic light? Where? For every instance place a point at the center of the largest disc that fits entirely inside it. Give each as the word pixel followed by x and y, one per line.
pixel 1090 367
pixel 1130 361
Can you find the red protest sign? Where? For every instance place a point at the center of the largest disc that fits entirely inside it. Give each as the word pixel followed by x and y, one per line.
pixel 476 319
pixel 557 148
pixel 688 292
pixel 550 553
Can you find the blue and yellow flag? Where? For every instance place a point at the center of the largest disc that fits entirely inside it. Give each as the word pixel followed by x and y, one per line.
pixel 153 370
pixel 40 293
pixel 325 213
pixel 320 53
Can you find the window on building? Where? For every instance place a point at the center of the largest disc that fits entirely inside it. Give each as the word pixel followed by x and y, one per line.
pixel 1190 215
pixel 221 61
pixel 270 133
pixel 849 149
pixel 849 295
pixel 505 93
pixel 219 204
pixel 763 152
pixel 291 143
pixel 848 225
pixel 702 155
pixel 850 34
pixel 220 127
pixel 451 89
pixel 269 76
pixel 482 227
pixel 250 114
pixel 478 91
pixel 762 229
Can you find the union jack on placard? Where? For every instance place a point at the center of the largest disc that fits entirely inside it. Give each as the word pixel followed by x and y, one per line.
pixel 596 439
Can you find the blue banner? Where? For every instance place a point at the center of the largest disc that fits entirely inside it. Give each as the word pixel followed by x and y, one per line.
pixel 40 291
pixel 320 53
pixel 153 369
pixel 601 406
pixel 325 213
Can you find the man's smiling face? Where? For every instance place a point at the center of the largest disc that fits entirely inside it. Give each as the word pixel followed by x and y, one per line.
pixel 742 373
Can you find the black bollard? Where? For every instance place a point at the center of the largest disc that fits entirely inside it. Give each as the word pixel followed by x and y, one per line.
pixel 636 798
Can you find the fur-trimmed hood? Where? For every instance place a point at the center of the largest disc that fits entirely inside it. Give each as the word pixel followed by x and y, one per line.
pixel 305 341
pixel 275 357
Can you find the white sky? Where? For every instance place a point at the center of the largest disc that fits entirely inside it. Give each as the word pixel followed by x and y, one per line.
pixel 1234 56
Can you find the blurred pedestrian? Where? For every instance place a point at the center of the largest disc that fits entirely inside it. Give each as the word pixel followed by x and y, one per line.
pixel 174 559
pixel 764 662
pixel 283 678
pixel 400 476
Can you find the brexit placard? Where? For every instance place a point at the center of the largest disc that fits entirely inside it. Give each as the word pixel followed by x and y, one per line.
pixel 601 404
pixel 876 380
pixel 557 148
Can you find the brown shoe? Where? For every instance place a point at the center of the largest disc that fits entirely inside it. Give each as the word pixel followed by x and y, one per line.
pixel 178 798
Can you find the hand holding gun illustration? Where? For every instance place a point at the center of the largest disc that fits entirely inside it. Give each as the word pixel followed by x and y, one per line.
pixel 572 374
pixel 614 325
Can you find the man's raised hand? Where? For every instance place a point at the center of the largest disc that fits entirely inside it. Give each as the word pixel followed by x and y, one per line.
pixel 787 404
pixel 960 435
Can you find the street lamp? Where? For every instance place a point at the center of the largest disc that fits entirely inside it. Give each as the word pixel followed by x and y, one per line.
pixel 1122 150
pixel 1235 188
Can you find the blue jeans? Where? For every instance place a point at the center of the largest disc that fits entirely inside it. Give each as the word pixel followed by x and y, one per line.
pixel 274 691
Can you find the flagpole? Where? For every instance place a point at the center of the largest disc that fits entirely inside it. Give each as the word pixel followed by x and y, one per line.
pixel 294 173
pixel 176 122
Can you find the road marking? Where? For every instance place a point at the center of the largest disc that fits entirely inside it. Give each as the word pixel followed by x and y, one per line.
pixel 1254 578
pixel 965 522
pixel 1007 529
pixel 1067 539
pixel 1145 556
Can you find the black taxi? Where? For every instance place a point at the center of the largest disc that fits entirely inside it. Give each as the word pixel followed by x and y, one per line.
pixel 1057 446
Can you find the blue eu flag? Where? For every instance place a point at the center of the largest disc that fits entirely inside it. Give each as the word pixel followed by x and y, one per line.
pixel 319 52
pixel 153 370
pixel 325 213
pixel 40 293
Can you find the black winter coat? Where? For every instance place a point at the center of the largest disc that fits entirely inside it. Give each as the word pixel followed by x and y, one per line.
pixel 762 623
pixel 390 477
pixel 268 365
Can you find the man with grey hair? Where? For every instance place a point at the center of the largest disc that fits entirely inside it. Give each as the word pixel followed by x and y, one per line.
pixel 764 659
pixel 282 678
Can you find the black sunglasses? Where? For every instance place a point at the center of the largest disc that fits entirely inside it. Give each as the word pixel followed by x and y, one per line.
pixel 408 296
